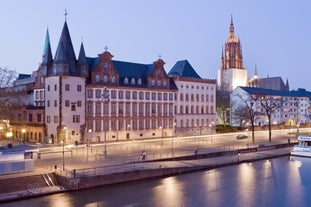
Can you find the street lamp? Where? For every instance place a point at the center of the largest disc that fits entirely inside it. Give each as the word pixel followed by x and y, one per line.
pixel 162 134
pixel 174 124
pixel 211 126
pixel 91 132
pixel 23 135
pixel 88 144
pixel 63 142
pixel 105 99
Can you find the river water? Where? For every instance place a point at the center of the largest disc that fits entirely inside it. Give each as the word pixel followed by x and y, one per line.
pixel 283 182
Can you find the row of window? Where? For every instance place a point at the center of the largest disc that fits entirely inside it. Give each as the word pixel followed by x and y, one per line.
pixel 30 117
pixel 75 119
pixel 134 124
pixel 197 87
pixel 197 97
pixel 114 94
pixel 73 105
pixel 196 109
pixel 142 124
pixel 131 108
pixel 67 88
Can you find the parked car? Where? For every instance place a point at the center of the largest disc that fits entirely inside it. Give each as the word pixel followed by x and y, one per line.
pixel 241 136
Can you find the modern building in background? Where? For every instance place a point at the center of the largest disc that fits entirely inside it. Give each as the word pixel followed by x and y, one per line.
pixel 73 98
pixel 294 110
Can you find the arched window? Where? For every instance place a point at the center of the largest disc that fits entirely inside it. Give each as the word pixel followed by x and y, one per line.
pixel 133 81
pixel 139 81
pixel 126 80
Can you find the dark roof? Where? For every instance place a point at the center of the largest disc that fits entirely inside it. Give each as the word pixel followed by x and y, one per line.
pixel 275 83
pixel 23 76
pixel 263 91
pixel 127 69
pixel 65 52
pixel 183 69
pixel 82 58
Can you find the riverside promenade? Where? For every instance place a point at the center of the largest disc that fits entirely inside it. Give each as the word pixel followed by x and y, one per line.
pixel 96 173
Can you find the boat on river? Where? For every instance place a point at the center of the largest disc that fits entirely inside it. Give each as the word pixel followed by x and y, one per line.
pixel 303 148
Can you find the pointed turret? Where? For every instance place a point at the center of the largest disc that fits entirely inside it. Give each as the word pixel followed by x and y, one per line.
pixel 255 73
pixel 46 43
pixel 82 62
pixel 231 37
pixel 65 58
pixel 82 57
pixel 47 58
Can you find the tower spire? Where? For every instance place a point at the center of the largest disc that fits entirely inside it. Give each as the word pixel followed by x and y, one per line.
pixel 65 14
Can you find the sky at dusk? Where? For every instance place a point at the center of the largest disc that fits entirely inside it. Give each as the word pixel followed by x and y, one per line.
pixel 275 35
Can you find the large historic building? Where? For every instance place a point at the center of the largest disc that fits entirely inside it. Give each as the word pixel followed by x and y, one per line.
pixel 231 73
pixel 75 99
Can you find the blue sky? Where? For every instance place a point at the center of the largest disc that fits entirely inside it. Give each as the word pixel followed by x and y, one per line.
pixel 275 35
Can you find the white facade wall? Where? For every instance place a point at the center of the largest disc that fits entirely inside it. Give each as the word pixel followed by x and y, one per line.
pixel 65 107
pixel 229 79
pixel 196 114
pixel 295 110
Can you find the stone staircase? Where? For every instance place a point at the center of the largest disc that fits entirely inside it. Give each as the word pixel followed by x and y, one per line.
pixel 28 183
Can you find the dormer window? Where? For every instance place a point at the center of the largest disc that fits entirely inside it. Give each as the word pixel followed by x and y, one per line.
pixel 113 79
pixel 158 72
pixel 152 82
pixel 126 80
pixel 133 81
pixel 97 78
pixel 139 81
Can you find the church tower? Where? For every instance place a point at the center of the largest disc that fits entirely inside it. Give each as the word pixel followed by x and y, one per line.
pixel 231 74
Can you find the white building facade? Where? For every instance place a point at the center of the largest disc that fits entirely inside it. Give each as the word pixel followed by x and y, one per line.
pixel 294 110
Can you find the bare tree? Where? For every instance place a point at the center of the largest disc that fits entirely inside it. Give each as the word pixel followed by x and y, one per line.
pixel 7 77
pixel 269 105
pixel 7 98
pixel 246 110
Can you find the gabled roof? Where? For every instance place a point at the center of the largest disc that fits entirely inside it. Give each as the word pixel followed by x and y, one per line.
pixel 263 91
pixel 183 69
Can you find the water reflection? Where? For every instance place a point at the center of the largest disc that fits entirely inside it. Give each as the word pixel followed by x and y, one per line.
pixel 276 182
pixel 169 192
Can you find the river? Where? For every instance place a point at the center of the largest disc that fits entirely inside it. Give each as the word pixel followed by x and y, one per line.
pixel 284 181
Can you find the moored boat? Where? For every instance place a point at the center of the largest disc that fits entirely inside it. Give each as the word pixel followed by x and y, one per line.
pixel 303 148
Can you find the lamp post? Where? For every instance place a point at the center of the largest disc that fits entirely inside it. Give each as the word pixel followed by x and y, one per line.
pixel 88 144
pixel 173 138
pixel 161 127
pixel 211 126
pixel 105 99
pixel 90 141
pixel 63 142
pixel 23 135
